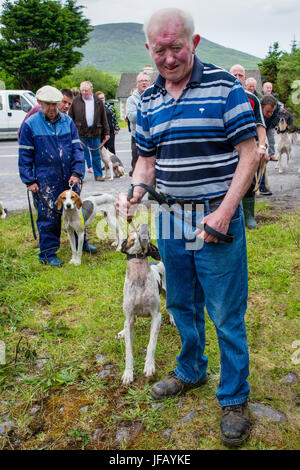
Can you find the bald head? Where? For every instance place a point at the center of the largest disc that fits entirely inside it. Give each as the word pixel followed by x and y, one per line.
pixel 267 88
pixel 250 84
pixel 239 72
pixel 163 18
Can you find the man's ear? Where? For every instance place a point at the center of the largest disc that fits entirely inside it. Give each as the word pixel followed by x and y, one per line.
pixel 195 40
pixel 147 46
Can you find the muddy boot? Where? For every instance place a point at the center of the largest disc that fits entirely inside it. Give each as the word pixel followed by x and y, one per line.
pixel 235 425
pixel 248 207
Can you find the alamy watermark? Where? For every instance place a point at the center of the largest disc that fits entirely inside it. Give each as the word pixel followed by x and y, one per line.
pixel 176 222
pixel 296 94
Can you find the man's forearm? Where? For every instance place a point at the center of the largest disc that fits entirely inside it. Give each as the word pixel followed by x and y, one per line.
pixel 144 172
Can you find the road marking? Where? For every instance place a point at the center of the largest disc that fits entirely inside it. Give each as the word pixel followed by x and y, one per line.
pixel 6 156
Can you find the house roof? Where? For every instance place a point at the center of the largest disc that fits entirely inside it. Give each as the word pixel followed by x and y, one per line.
pixel 128 82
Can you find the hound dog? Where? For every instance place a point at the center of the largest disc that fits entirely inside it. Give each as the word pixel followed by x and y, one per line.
pixel 284 144
pixel 112 163
pixel 142 285
pixel 77 214
pixel 3 211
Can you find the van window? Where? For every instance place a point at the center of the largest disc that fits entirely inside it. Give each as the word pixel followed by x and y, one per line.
pixel 14 102
pixel 1 105
pixel 17 102
pixel 30 97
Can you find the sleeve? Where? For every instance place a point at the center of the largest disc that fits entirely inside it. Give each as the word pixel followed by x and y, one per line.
pixel 238 117
pixel 144 142
pixel 114 119
pixel 77 164
pixel 106 129
pixel 26 155
pixel 258 114
pixel 131 109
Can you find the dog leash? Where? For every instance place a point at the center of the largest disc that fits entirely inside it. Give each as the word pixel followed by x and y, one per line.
pixel 259 176
pixel 31 216
pixel 227 238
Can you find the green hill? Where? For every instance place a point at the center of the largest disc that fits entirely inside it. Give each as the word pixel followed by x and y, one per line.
pixel 120 47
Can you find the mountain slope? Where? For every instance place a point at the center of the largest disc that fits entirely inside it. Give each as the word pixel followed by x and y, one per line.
pixel 120 47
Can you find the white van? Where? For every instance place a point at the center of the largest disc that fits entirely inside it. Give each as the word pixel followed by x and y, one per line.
pixel 14 105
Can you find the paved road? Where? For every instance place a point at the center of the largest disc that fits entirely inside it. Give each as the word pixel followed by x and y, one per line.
pixel 285 187
pixel 13 192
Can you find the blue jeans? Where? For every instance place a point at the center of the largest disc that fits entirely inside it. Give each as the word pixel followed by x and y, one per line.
pixel 92 157
pixel 212 276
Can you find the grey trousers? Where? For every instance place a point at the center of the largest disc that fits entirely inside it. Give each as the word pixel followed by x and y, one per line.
pixel 271 141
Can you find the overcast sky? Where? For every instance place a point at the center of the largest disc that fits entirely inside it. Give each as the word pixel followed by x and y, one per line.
pixel 249 26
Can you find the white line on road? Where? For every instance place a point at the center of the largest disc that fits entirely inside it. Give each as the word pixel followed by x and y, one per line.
pixel 6 156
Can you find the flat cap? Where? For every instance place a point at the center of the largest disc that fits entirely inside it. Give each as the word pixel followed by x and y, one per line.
pixel 49 94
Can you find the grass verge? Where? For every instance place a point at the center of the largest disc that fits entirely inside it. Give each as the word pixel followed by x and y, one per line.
pixel 61 384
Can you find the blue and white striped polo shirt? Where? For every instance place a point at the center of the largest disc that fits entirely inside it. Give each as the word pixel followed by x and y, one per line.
pixel 193 138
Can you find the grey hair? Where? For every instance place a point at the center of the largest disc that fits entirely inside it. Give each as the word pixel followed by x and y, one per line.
pixel 250 78
pixel 142 74
pixel 186 18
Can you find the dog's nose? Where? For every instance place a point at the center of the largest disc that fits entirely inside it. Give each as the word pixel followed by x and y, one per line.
pixel 68 206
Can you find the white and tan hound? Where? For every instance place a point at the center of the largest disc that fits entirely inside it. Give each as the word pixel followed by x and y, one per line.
pixel 284 145
pixel 142 286
pixel 77 214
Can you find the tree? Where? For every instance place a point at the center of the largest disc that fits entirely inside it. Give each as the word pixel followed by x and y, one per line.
pixel 288 74
pixel 39 38
pixel 268 67
pixel 101 81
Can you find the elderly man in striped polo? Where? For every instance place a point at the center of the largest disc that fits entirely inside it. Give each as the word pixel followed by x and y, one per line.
pixel 196 136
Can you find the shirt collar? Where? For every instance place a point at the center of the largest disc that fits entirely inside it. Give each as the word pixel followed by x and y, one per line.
pixel 196 76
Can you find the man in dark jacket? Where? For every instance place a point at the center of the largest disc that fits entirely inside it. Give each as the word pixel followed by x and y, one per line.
pixel 89 115
pixel 50 159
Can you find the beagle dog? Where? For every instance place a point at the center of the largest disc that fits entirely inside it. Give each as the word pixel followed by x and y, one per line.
pixel 3 211
pixel 284 144
pixel 77 214
pixel 112 163
pixel 142 286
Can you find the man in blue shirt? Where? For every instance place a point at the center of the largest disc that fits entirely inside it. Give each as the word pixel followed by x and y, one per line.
pixel 196 136
pixel 50 159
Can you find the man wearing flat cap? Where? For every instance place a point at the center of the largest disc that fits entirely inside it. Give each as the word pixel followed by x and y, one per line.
pixel 50 159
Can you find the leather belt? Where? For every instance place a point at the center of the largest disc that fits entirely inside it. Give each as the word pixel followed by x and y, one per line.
pixel 183 202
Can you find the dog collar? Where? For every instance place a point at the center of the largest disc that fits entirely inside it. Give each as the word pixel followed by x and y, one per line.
pixel 140 255
pixel 137 255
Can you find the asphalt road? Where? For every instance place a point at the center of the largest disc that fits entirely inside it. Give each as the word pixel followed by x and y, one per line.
pixel 285 187
pixel 13 192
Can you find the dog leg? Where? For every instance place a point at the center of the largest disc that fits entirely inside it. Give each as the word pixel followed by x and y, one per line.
pixel 149 368
pixel 280 164
pixel 171 318
pixel 111 169
pixel 128 334
pixel 79 247
pixel 113 223
pixel 72 241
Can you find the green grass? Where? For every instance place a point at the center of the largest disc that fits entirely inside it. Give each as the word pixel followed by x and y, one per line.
pixel 64 317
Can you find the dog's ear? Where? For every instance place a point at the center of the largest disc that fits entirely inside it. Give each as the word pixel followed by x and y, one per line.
pixel 58 203
pixel 78 201
pixel 124 246
pixel 153 251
